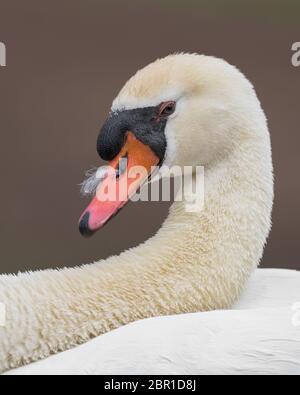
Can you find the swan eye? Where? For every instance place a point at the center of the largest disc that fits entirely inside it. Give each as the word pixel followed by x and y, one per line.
pixel 166 109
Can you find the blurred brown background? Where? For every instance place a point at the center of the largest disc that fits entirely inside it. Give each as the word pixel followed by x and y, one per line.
pixel 66 61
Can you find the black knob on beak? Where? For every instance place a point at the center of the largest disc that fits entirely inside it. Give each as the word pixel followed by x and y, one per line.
pixel 112 137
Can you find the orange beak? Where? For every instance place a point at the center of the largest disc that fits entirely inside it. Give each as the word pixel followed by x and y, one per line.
pixel 126 174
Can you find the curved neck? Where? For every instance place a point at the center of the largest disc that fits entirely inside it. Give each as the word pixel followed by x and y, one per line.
pixel 198 261
pixel 238 199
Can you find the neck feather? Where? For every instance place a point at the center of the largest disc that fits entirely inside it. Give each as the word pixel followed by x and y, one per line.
pixel 196 262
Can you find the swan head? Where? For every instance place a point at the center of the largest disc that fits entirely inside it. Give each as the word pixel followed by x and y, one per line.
pixel 183 110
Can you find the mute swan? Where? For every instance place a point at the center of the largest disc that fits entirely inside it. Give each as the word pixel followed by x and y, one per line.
pixel 197 261
pixel 256 337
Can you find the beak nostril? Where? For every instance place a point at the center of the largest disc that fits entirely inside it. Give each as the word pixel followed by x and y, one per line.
pixel 122 166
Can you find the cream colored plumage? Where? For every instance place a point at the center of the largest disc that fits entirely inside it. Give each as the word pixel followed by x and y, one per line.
pixel 197 261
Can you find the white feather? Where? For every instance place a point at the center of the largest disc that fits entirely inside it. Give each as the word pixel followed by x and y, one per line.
pixel 94 177
pixel 257 337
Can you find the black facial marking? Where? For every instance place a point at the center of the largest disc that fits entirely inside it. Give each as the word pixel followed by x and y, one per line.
pixel 144 123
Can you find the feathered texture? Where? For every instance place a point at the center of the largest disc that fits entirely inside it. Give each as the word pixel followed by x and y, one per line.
pixel 198 261
pixel 93 179
pixel 255 337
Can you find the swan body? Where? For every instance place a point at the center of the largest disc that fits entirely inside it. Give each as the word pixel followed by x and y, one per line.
pixel 198 261
pixel 255 337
